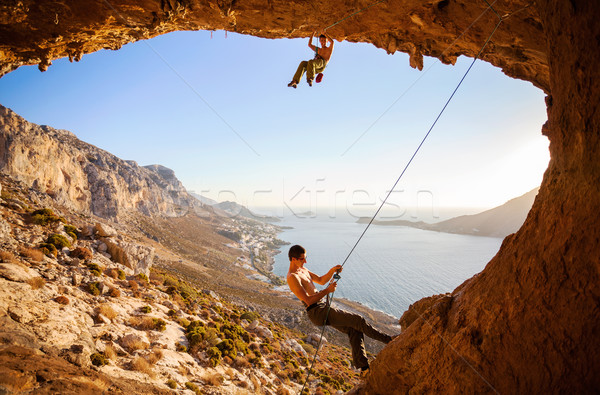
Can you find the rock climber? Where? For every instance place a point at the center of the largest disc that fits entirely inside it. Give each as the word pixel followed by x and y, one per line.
pixel 315 65
pixel 301 282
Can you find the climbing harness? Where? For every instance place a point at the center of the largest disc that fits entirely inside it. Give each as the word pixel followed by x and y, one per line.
pixel 336 276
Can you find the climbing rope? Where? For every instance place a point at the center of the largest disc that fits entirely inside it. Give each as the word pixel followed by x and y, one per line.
pixel 336 275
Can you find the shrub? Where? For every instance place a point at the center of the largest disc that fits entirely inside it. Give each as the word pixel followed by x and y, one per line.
pixel 193 387
pixel 36 282
pixel 250 316
pixel 110 352
pixel 140 364
pixel 146 309
pixel 171 384
pixel 71 231
pixel 95 269
pixel 227 347
pixel 98 359
pixel 48 249
pixel 180 347
pixel 107 311
pixel 59 241
pixel 183 322
pixel 172 313
pixel 61 299
pixel 93 288
pixel 32 253
pixel 44 216
pixel 7 256
pixel 121 274
pixel 82 253
pixel 134 285
pixel 214 355
pixel 148 323
pixel 114 292
pixel 132 343
pixel 155 356
pixel 142 277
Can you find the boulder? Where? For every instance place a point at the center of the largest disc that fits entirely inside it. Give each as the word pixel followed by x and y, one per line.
pixel 15 272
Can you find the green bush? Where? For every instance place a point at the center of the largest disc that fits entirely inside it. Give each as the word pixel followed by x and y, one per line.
pixel 94 269
pixel 59 241
pixel 227 348
pixel 159 325
pixel 195 333
pixel 250 316
pixel 122 275
pixel 44 217
pixel 180 347
pixel 193 387
pixel 98 359
pixel 215 355
pixel 172 384
pixel 146 309
pixel 48 249
pixel 94 288
pixel 142 277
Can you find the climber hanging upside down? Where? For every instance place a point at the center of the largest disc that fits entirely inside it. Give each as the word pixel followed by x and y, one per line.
pixel 315 65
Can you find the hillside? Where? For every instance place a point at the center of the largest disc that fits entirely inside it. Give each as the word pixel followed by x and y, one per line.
pixel 497 222
pixel 112 294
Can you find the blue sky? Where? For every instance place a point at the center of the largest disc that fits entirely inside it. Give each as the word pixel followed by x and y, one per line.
pixel 219 113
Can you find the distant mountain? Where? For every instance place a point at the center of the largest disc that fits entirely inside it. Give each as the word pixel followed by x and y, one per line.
pixel 497 222
pixel 234 209
pixel 203 199
pixel 85 178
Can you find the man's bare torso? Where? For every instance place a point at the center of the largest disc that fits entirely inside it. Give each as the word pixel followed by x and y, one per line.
pixel 325 52
pixel 303 275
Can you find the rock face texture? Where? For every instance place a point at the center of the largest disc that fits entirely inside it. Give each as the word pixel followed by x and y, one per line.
pixel 529 322
pixel 83 177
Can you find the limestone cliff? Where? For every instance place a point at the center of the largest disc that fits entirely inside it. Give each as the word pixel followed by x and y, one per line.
pixel 529 322
pixel 83 177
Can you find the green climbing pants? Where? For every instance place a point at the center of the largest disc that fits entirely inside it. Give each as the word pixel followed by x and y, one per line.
pixel 312 67
pixel 354 325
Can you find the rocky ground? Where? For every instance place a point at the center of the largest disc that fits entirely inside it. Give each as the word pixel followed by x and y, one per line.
pixel 84 310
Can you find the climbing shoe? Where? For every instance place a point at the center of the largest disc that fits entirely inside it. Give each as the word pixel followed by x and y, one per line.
pixel 309 82
pixel 293 84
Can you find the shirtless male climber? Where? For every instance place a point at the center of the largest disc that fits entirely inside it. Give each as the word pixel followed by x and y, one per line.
pixel 316 65
pixel 301 282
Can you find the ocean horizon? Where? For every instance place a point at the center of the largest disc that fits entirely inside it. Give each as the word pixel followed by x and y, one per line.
pixel 392 266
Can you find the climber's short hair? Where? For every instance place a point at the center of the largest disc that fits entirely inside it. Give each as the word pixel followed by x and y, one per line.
pixel 296 251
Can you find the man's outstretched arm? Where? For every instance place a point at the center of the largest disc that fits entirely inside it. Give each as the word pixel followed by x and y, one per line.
pixel 322 280
pixel 300 292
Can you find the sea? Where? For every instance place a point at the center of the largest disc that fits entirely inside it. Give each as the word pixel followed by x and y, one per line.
pixel 392 266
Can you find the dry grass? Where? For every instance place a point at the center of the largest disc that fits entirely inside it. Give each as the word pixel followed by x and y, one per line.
pixel 110 352
pixel 7 257
pixel 255 382
pixel 62 300
pixel 214 379
pixel 114 292
pixel 107 311
pixel 155 356
pixel 112 273
pixel 142 322
pixel 140 364
pixel 32 253
pixel 36 282
pixel 134 285
pixel 132 344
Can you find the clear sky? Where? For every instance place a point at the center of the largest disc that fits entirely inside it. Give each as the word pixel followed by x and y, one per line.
pixel 219 113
